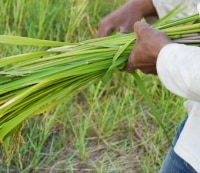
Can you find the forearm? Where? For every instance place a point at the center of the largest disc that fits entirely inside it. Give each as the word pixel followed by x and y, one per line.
pixel 178 68
pixel 123 19
pixel 146 7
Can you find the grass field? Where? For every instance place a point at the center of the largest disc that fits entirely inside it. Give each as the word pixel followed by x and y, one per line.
pixel 103 128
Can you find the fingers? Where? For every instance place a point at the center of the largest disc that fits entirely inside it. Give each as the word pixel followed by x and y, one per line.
pixel 130 64
pixel 140 27
pixel 135 60
pixel 105 29
pixel 144 31
pixel 125 29
pixel 148 45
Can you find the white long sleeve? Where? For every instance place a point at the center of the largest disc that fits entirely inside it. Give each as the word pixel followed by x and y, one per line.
pixel 178 68
pixel 163 6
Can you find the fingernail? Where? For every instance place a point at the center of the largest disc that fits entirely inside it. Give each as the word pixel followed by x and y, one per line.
pixel 123 30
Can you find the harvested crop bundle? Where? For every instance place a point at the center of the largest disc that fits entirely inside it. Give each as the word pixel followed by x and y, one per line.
pixel 34 82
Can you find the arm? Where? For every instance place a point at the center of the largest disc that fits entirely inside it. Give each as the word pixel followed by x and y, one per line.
pixel 124 18
pixel 177 65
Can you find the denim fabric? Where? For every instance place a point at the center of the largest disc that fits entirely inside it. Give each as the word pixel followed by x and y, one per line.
pixel 173 163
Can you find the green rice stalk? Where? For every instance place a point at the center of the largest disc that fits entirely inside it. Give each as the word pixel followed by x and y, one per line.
pixel 35 82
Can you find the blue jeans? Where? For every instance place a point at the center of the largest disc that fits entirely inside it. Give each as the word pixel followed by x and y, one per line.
pixel 173 163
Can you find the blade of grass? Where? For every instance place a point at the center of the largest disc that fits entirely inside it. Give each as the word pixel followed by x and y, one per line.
pixel 17 40
pixel 145 94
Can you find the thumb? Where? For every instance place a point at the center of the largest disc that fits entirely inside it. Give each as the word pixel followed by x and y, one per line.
pixel 139 27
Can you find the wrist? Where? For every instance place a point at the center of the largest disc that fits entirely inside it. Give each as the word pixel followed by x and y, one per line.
pixel 146 7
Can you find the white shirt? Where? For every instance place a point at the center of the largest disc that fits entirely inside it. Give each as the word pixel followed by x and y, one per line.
pixel 178 68
pixel 164 6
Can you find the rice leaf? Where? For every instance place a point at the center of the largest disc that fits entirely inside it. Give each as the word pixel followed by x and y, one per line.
pixel 17 40
pixel 34 82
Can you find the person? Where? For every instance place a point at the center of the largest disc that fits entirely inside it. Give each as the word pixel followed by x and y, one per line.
pixel 123 19
pixel 177 66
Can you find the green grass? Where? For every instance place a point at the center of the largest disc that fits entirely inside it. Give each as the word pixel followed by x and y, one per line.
pixel 104 128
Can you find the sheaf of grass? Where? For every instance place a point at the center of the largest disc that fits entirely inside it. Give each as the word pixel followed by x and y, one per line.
pixel 104 127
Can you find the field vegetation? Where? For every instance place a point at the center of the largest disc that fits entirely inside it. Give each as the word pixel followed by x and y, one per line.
pixel 103 128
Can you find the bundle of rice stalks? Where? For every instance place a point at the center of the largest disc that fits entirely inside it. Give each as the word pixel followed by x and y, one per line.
pixel 34 82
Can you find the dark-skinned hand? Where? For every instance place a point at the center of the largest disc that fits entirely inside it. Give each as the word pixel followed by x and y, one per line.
pixel 149 44
pixel 123 19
